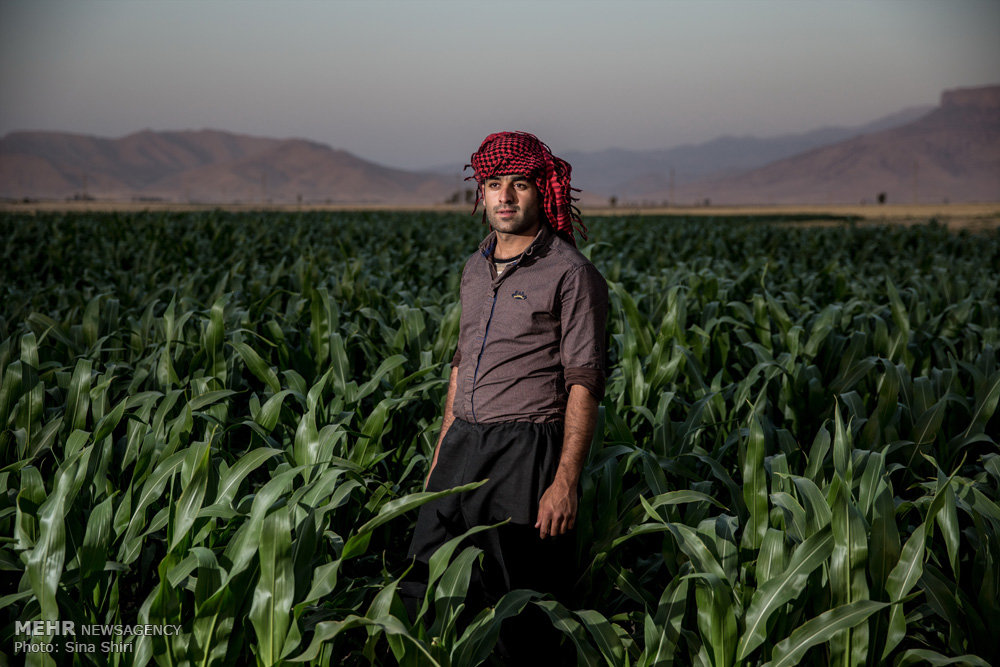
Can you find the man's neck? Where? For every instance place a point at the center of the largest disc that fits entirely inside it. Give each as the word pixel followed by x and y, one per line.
pixel 512 245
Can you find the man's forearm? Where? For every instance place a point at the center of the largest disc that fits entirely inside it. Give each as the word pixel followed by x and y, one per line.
pixel 447 418
pixel 558 506
pixel 581 420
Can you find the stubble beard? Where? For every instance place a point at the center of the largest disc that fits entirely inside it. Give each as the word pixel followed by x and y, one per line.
pixel 522 222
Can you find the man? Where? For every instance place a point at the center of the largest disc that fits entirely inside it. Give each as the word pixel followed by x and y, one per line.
pixel 525 383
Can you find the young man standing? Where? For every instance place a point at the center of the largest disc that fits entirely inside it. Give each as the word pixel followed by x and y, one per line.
pixel 525 384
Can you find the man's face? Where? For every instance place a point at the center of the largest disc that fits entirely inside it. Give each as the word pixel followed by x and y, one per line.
pixel 513 204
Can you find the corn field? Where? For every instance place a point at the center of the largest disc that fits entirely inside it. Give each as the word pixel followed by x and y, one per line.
pixel 222 422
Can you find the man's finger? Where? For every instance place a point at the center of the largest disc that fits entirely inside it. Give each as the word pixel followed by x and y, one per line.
pixel 541 524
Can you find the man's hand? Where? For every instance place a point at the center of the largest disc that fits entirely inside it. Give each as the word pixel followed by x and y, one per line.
pixel 557 509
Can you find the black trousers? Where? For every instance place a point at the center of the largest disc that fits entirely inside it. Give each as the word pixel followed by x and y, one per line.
pixel 520 460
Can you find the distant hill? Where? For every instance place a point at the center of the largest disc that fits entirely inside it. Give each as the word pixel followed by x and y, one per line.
pixel 204 166
pixel 950 154
pixel 631 174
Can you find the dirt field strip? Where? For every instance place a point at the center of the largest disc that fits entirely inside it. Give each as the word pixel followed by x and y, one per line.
pixel 971 216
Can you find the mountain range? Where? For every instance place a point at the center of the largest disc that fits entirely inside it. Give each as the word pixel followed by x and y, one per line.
pixel 634 173
pixel 946 153
pixel 205 166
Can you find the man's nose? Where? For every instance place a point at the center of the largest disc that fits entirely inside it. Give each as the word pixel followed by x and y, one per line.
pixel 506 193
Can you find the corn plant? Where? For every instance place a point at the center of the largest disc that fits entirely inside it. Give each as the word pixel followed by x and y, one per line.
pixel 222 422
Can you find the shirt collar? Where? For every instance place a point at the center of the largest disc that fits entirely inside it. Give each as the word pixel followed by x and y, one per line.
pixel 542 239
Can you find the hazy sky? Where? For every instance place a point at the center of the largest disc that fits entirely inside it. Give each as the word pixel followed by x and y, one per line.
pixel 419 83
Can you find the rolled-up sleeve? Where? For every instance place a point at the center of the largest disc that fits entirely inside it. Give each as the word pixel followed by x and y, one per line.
pixel 583 319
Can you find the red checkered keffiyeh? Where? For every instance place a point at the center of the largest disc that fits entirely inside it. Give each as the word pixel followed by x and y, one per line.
pixel 524 154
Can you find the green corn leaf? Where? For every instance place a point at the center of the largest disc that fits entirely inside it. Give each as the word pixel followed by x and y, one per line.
pixel 78 396
pixel 270 613
pixel 986 404
pixel 920 656
pixel 771 558
pixel 10 391
pixel 479 639
pixel 189 504
pixel 258 366
pixel 387 366
pixel 33 400
pixel 944 598
pixel 902 579
pixel 663 631
pixel 928 425
pixel 564 621
pixel 358 542
pixel 151 491
pixel 270 412
pixel 692 545
pixel 321 325
pixel 790 651
pixel 795 515
pixel 246 542
pixel 29 499
pixel 305 451
pixel 211 631
pixel 45 561
pixel 678 497
pixel 604 635
pixel 321 489
pixel 842 447
pixel 341 375
pixel 442 556
pixel 818 514
pixel 234 476
pixel 109 421
pixel 884 539
pixel 365 453
pixel 323 582
pixel 97 538
pixel 636 324
pixel 947 521
pixel 847 570
pixel 782 588
pixel 817 454
pixel 899 314
pixel 755 486
pixel 326 631
pixel 872 476
pixel 449 594
pixel 720 473
pixel 821 328
pixel 209 398
pixel 386 603
pixel 716 614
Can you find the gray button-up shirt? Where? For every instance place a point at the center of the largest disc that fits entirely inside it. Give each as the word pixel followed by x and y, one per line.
pixel 530 333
